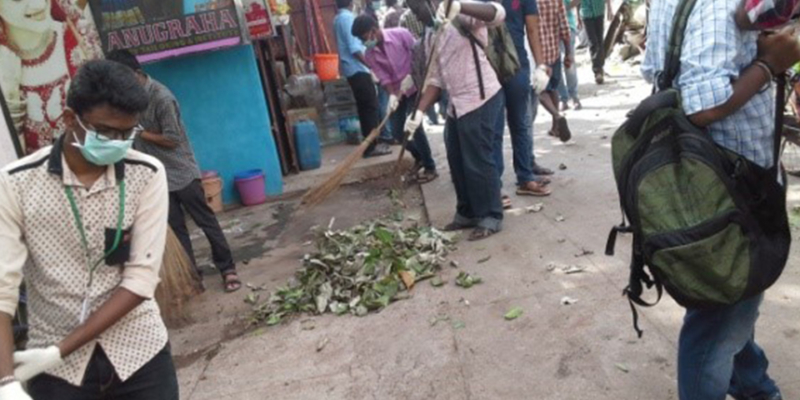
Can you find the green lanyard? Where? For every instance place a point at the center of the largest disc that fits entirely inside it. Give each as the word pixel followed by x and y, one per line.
pixel 92 267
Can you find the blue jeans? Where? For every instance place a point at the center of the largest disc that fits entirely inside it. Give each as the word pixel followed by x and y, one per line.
pixel 570 89
pixel 518 113
pixel 470 152
pixel 418 146
pixel 717 355
pixel 383 102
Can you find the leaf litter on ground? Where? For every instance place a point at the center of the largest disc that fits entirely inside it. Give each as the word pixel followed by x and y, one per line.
pixel 357 271
pixel 513 314
pixel 466 280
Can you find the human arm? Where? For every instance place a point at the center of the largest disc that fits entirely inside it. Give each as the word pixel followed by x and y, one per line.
pixel 565 35
pixel 12 259
pixel 779 52
pixel 531 11
pixel 158 139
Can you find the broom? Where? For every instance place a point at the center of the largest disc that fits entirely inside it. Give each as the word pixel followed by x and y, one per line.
pixel 179 281
pixel 321 192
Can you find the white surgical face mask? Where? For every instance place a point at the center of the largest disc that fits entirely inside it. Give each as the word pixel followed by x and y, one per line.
pixel 99 150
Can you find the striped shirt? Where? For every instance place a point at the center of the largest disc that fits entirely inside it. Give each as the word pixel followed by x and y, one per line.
pixel 714 52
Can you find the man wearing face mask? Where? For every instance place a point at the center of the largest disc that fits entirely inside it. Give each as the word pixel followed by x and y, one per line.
pixel 164 137
pixel 389 54
pixel 85 222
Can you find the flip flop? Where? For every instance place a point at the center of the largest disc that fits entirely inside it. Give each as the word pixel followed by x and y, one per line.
pixel 480 233
pixel 564 134
pixel 535 189
pixel 507 202
pixel 231 282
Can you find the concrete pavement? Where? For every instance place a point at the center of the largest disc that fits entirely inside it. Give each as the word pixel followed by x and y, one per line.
pixel 453 343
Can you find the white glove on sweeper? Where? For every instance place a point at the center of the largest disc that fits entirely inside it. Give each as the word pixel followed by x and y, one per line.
pixel 30 363
pixel 413 122
pixel 13 391
pixel 539 80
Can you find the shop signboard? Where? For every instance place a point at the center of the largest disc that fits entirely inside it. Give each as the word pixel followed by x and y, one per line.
pixel 259 21
pixel 42 44
pixel 158 29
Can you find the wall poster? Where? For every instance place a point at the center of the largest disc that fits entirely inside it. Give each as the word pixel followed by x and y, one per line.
pixel 42 44
pixel 259 21
pixel 158 29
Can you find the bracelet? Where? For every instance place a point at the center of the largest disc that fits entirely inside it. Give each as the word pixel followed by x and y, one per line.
pixel 7 380
pixel 766 68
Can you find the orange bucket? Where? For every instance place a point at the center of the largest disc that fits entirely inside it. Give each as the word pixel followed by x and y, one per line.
pixel 327 66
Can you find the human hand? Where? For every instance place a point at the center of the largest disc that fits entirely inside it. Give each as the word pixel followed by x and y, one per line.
pixel 406 84
pixel 568 61
pixel 392 104
pixel 13 391
pixel 413 122
pixel 455 9
pixel 779 50
pixel 30 363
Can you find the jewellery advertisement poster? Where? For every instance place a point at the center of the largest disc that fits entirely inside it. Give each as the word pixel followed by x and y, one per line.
pixel 42 44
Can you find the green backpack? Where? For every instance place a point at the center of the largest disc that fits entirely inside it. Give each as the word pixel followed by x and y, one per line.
pixel 710 226
pixel 500 52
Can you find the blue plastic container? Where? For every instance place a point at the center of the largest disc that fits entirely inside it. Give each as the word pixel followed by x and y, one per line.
pixel 309 149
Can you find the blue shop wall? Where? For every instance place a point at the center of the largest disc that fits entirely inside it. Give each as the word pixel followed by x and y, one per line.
pixel 225 113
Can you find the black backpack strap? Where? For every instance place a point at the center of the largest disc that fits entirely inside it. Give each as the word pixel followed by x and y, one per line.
pixel 672 64
pixel 474 43
pixel 637 281
pixel 780 104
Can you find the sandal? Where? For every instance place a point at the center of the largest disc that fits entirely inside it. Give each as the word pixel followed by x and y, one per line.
pixel 480 233
pixel 506 202
pixel 542 171
pixel 564 134
pixel 231 282
pixel 578 105
pixel 536 189
pixel 427 176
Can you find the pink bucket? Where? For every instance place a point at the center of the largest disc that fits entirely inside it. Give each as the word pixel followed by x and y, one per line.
pixel 251 187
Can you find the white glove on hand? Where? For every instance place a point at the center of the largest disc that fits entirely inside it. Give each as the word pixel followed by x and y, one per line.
pixel 539 80
pixel 13 391
pixel 406 84
pixel 30 363
pixel 392 104
pixel 443 15
pixel 413 122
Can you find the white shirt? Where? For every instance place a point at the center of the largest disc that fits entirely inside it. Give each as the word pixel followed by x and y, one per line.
pixel 40 240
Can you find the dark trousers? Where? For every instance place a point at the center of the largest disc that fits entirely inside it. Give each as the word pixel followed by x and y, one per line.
pixel 366 101
pixel 594 30
pixel 418 146
pixel 157 380
pixel 517 92
pixel 193 199
pixel 470 141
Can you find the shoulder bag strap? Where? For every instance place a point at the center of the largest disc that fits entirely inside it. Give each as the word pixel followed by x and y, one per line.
pixel 672 64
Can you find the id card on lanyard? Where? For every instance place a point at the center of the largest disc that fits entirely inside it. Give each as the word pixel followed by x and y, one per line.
pixel 91 267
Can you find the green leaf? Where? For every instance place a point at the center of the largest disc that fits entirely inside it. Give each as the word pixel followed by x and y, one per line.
pixel 384 236
pixel 485 259
pixel 437 281
pixel 274 319
pixel 458 325
pixel 467 281
pixel 513 314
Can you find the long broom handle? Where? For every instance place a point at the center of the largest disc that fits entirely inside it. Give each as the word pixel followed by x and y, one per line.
pixel 434 53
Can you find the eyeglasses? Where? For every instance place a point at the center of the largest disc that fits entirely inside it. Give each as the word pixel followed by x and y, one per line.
pixel 112 134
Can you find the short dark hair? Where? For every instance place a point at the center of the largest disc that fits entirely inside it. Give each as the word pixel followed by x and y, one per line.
pixel 104 82
pixel 363 25
pixel 344 3
pixel 391 3
pixel 126 58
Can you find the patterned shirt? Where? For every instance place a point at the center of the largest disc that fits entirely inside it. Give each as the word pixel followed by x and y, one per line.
pixel 410 21
pixel 553 29
pixel 347 44
pixel 163 116
pixel 40 240
pixel 714 52
pixel 454 69
pixel 391 60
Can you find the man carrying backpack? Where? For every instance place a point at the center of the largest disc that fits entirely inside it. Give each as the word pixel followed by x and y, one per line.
pixel 722 76
pixel 470 130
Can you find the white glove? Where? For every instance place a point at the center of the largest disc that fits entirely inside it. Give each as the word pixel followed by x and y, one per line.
pixel 30 363
pixel 413 122
pixel 539 80
pixel 443 15
pixel 392 104
pixel 406 84
pixel 13 391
